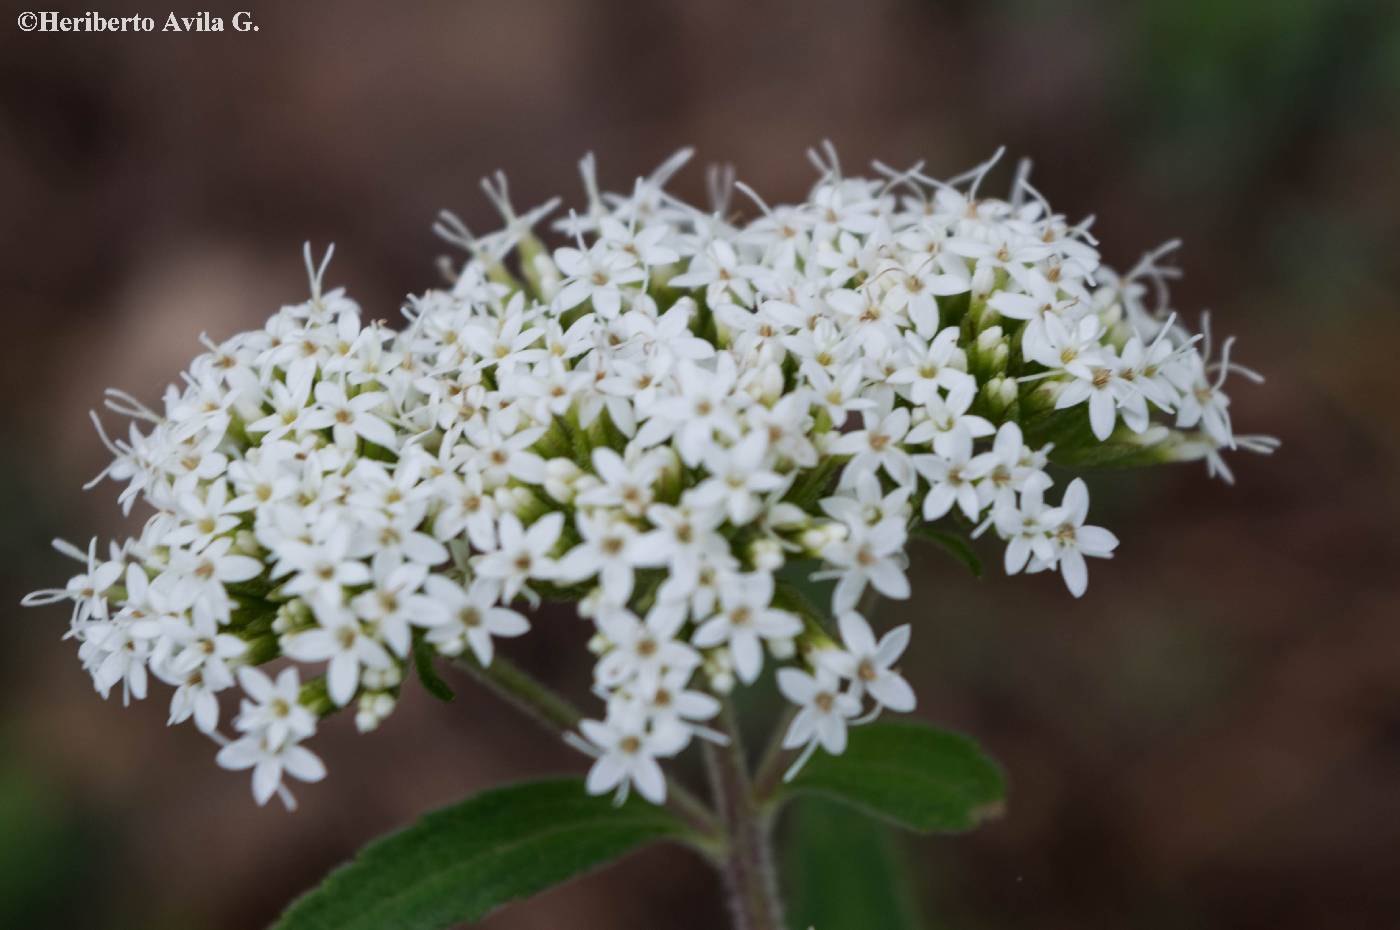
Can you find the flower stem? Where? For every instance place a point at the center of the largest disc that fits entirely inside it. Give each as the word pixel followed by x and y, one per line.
pixel 768 777
pixel 749 874
pixel 524 692
pixel 552 711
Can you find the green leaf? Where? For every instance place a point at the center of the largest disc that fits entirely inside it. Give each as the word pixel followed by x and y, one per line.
pixel 844 871
pixel 459 863
pixel 956 546
pixel 423 662
pixel 911 774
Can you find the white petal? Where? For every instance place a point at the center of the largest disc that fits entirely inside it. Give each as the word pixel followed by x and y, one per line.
pixel 1075 573
pixel 892 645
pixel 797 686
pixel 832 732
pixel 605 774
pixel 856 633
pixel 343 677
pixel 889 580
pixel 893 692
pixel 303 764
pixel 646 775
pixel 748 655
pixel 267 775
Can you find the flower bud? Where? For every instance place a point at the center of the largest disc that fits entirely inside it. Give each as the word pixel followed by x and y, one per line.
pixel 598 644
pixel 988 339
pixel 245 543
pixel 374 708
pixel 766 554
pixel 590 604
pixel 817 538
pixel 782 649
pixel 522 502
pixel 293 615
pixel 561 478
pixel 382 678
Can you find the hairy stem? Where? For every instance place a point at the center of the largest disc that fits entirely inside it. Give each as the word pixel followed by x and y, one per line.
pixel 553 712
pixel 749 874
pixel 768 777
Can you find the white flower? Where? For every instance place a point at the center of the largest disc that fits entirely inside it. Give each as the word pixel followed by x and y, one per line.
pixel 1072 540
pixel 502 454
pixel 746 618
pixel 343 643
pixel 738 478
pixel 823 714
pixel 867 555
pixel 595 274
pixel 880 443
pixel 274 709
pixel 270 763
pixel 392 605
pixel 349 417
pixel 473 617
pixel 670 702
pixel 869 505
pixel 321 570
pixel 706 405
pixel 868 664
pixel 208 515
pixel 522 554
pixel 627 751
pixel 466 507
pixel 1097 381
pixel 684 540
pixel 623 484
pixel 1006 470
pixel 1026 525
pixel 945 421
pixel 273 729
pixel 933 366
pixel 113 652
pixel 953 476
pixel 643 651
pixel 611 549
pixel 202 663
pixel 718 270
pixel 205 573
pixel 88 590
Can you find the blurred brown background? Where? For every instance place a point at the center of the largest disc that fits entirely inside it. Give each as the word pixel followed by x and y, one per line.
pixel 1210 739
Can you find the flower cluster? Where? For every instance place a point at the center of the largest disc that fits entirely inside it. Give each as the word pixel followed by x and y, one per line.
pixel 679 421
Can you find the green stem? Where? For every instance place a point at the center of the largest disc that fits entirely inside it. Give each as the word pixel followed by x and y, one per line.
pixel 524 692
pixel 553 712
pixel 749 874
pixel 768 777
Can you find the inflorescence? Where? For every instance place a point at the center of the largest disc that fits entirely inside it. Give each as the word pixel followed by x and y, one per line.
pixel 677 421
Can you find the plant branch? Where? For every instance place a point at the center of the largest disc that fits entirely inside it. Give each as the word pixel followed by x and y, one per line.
pixel 554 712
pixel 749 874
